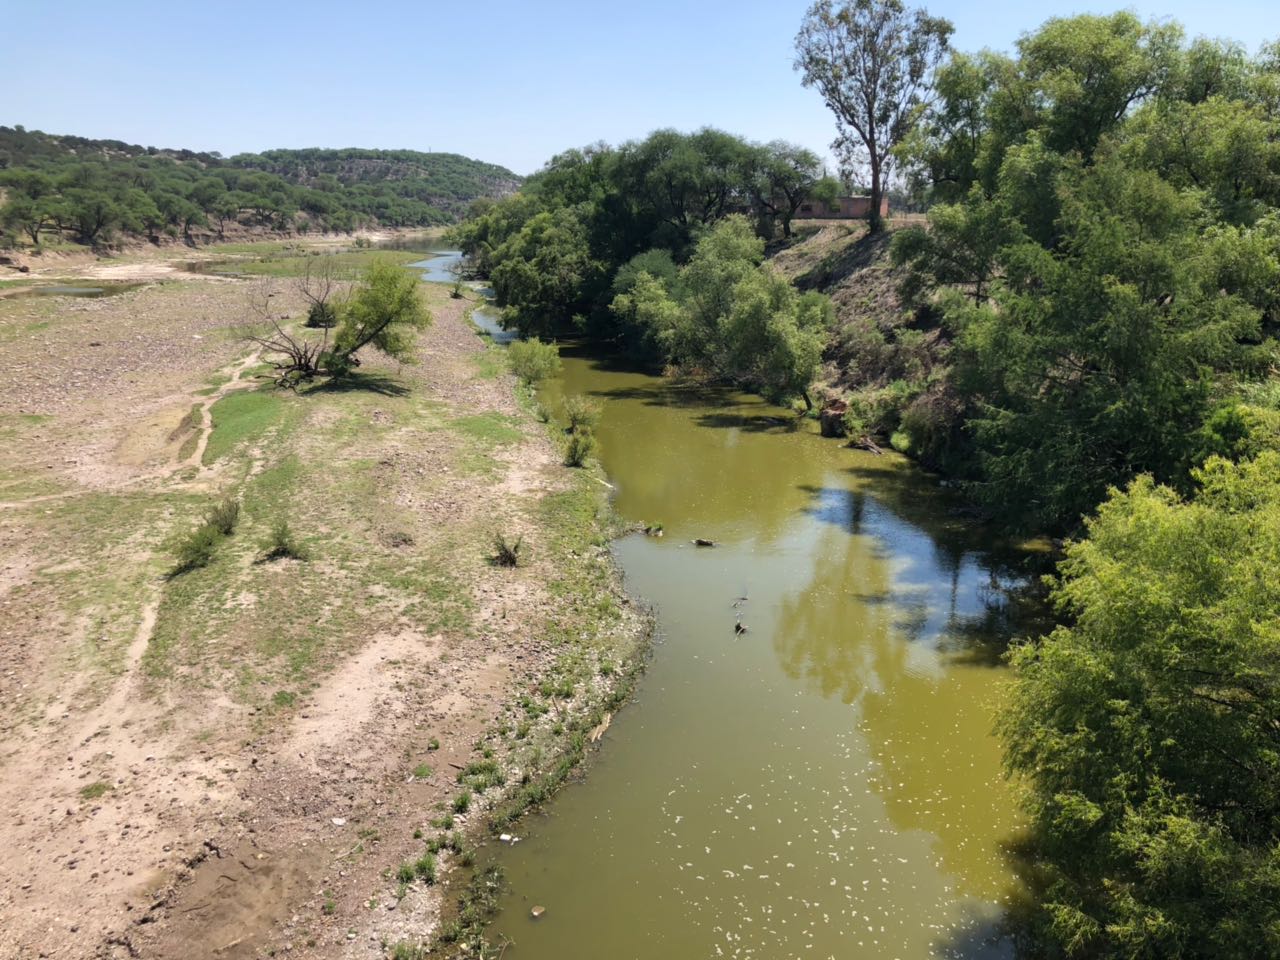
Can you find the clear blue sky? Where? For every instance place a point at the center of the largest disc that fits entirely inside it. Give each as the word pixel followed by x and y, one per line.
pixel 509 82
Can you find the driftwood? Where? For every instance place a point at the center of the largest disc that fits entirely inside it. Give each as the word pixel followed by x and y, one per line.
pixel 866 443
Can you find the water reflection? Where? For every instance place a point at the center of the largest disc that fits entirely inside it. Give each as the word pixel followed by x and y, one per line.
pixel 825 785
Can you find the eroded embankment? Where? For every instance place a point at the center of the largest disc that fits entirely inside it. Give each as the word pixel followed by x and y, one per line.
pixel 245 756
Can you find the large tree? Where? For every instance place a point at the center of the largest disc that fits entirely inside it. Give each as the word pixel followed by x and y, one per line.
pixel 1148 727
pixel 873 63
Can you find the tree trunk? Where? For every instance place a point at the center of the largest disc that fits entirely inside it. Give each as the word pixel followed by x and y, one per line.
pixel 874 222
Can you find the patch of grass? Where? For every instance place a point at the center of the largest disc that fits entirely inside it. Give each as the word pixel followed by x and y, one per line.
pixel 481 775
pixel 404 950
pixel 243 417
pixel 433 744
pixel 94 790
pixel 330 906
pixel 462 802
pixel 477 905
pixel 284 699
pixel 405 873
pixel 490 362
pixel 494 428
pixel 424 868
pixel 422 771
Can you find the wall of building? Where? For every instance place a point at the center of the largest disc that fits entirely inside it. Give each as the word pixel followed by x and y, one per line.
pixel 842 208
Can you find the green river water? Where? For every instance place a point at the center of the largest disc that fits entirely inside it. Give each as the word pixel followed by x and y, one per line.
pixel 825 785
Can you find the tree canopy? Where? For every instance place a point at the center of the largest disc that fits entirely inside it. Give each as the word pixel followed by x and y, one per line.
pixel 91 190
pixel 1102 253
pixel 1148 728
pixel 656 246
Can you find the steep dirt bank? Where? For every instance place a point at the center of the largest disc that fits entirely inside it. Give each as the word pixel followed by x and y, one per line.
pixel 242 757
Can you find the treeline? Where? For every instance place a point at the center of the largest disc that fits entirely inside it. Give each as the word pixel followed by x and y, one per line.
pixel 90 191
pixel 1103 256
pixel 658 246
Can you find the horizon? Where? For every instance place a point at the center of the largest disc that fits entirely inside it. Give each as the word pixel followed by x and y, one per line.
pixel 522 102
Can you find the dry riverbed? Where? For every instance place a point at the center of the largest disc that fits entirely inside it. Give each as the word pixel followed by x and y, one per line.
pixel 241 760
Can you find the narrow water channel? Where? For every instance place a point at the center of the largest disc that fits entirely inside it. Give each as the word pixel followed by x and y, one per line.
pixel 825 784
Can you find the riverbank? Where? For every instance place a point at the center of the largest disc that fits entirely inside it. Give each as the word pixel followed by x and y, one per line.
pixel 248 755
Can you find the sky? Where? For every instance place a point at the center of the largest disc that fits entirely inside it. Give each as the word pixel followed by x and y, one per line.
pixel 508 82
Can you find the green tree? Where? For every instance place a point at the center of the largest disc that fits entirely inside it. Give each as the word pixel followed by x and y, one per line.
pixel 382 312
pixel 781 177
pixel 543 273
pixel 731 316
pixel 1148 729
pixel 873 63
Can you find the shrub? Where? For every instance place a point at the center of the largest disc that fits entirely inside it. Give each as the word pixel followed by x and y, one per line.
pixel 425 868
pixel 462 802
pixel 506 553
pixel 321 315
pixel 224 516
pixel 579 448
pixel 196 549
pixel 533 361
pixel 581 413
pixel 282 544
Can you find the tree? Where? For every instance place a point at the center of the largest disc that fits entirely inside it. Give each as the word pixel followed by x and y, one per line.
pixel 729 315
pixel 1148 728
pixel 782 177
pixel 873 63
pixel 382 312
pixel 29 216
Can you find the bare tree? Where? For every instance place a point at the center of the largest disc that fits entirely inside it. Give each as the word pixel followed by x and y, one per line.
pixel 319 285
pixel 873 63
pixel 295 358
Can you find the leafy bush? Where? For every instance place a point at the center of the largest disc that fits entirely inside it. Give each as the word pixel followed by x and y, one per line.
pixel 533 361
pixel 581 413
pixel 282 544
pixel 424 868
pixel 506 553
pixel 579 448
pixel 196 549
pixel 321 315
pixel 1145 728
pixel 224 516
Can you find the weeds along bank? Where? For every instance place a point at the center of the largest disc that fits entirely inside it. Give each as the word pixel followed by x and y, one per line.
pixel 248 753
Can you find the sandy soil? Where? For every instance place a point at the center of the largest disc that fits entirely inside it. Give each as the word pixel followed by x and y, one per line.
pixel 144 820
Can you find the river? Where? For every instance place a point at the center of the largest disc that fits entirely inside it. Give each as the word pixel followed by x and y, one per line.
pixel 823 785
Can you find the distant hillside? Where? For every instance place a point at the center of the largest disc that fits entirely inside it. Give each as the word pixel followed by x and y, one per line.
pixel 93 190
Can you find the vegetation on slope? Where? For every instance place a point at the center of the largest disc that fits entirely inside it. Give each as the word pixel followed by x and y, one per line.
pixel 650 246
pixel 93 190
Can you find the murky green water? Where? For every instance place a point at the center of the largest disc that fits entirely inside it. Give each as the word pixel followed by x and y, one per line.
pixel 824 785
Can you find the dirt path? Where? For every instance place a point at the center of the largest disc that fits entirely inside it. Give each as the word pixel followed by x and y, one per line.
pixel 169 777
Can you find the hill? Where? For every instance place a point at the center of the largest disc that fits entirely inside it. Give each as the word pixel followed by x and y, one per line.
pixel 91 191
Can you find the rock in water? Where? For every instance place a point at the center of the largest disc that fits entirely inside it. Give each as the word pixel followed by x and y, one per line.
pixel 536 912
